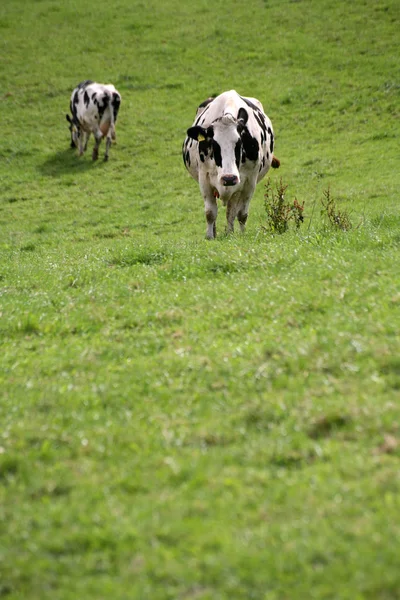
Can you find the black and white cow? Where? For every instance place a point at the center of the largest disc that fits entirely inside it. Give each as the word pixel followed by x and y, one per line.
pixel 94 108
pixel 228 150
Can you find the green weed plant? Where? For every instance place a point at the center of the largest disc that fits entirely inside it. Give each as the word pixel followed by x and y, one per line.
pixel 278 211
pixel 337 218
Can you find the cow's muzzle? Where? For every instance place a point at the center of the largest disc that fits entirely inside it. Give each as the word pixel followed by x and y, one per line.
pixel 229 180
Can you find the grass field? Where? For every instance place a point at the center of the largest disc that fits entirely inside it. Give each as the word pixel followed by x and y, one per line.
pixel 184 419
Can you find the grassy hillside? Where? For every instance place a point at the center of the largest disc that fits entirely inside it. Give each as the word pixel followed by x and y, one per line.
pixel 184 419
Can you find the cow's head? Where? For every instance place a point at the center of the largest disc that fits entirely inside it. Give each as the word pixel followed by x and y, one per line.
pixel 74 131
pixel 228 142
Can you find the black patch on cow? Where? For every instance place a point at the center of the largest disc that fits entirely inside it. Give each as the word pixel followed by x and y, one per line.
pixel 201 115
pixel 271 144
pixel 115 103
pixel 243 115
pixel 204 150
pixel 261 121
pixel 217 153
pixel 74 111
pixel 73 106
pixel 250 145
pixel 187 158
pixel 103 103
pixel 247 142
pixel 206 102
pixel 253 106
pixel 259 116
pixel 86 99
pixel 238 151
pixel 94 97
pixel 195 131
pixel 84 84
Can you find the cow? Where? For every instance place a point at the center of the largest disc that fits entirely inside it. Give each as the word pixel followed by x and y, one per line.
pixel 228 150
pixel 94 108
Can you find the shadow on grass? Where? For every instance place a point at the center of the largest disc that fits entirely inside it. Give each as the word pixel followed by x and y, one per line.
pixel 67 161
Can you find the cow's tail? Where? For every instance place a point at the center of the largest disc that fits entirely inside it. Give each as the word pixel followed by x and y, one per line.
pixel 276 163
pixel 110 107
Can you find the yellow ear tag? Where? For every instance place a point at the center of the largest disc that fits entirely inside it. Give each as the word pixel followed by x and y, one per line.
pixel 200 138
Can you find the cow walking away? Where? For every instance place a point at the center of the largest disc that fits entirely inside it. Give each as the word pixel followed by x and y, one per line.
pixel 228 150
pixel 94 108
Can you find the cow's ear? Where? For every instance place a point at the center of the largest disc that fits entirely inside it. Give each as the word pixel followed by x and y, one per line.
pixel 243 115
pixel 198 133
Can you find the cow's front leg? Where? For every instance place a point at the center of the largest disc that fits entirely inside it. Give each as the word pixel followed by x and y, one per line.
pixel 210 205
pixel 242 218
pixel 211 210
pixel 243 208
pixel 231 211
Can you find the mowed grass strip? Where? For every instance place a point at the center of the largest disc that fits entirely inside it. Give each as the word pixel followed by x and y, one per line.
pixel 186 419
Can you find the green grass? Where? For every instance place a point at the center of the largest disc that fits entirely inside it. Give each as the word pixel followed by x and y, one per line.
pixel 184 419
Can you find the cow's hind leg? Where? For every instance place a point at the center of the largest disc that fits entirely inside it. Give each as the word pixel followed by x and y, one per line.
pixel 95 153
pixel 108 145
